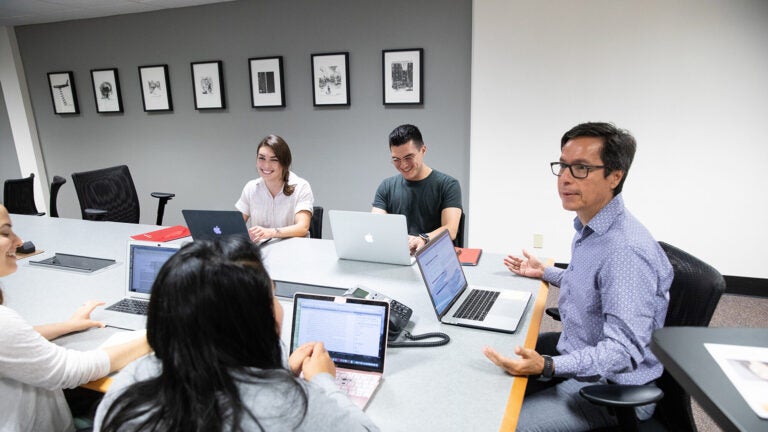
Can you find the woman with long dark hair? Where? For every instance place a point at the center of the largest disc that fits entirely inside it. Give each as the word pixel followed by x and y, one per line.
pixel 33 370
pixel 279 203
pixel 214 323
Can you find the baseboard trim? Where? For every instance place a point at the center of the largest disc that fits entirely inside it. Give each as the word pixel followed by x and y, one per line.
pixel 740 285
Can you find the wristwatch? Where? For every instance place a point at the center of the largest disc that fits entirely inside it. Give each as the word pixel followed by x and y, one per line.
pixel 549 369
pixel 424 237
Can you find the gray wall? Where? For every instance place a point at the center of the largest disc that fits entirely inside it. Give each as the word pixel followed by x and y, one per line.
pixel 206 157
pixel 9 165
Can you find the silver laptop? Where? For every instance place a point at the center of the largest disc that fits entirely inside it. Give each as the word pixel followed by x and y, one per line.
pixel 373 237
pixel 353 330
pixel 457 303
pixel 210 224
pixel 143 263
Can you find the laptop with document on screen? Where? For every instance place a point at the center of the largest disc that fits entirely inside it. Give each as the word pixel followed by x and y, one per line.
pixel 456 302
pixel 373 237
pixel 353 331
pixel 143 263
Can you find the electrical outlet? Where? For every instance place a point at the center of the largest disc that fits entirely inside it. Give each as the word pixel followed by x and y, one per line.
pixel 538 241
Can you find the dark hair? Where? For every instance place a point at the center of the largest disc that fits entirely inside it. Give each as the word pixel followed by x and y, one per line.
pixel 618 148
pixel 283 154
pixel 212 325
pixel 404 133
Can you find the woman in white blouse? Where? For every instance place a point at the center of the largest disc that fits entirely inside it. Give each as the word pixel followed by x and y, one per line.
pixel 33 371
pixel 279 203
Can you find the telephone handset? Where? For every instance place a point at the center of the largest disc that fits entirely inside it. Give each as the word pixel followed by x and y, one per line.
pixel 399 314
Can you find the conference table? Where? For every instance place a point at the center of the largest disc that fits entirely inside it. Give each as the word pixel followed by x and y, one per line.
pixel 682 352
pixel 446 388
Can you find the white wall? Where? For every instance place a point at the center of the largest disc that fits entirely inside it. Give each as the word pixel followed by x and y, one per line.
pixel 688 78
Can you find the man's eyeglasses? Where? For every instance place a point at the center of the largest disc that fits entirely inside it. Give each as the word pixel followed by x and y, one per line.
pixel 579 171
pixel 407 158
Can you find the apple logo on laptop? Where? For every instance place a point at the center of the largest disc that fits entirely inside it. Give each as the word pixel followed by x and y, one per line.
pixel 369 238
pixel 217 230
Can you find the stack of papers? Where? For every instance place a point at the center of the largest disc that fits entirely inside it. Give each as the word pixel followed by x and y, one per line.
pixel 747 368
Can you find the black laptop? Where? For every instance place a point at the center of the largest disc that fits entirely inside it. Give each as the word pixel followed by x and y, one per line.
pixel 211 224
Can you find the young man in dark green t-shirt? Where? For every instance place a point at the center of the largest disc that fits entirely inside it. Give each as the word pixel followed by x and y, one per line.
pixel 429 199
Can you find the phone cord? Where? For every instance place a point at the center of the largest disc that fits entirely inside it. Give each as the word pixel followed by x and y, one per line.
pixel 442 340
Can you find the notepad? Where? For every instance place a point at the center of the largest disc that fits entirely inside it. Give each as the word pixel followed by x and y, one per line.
pixel 163 235
pixel 468 256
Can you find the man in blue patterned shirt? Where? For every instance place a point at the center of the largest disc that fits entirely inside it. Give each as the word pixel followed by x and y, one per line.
pixel 613 295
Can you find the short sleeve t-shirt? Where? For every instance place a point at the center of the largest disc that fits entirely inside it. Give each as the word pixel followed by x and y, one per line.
pixel 420 201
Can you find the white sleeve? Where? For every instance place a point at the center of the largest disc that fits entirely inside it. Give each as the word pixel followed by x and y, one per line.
pixel 27 357
pixel 305 199
pixel 244 203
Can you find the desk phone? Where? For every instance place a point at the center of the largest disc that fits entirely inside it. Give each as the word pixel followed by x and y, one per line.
pixel 399 314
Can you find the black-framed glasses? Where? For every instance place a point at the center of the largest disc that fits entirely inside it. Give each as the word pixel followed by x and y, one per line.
pixel 408 158
pixel 579 171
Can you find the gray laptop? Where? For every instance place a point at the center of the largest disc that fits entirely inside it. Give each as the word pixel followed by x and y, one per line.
pixel 143 263
pixel 353 330
pixel 374 237
pixel 210 224
pixel 457 303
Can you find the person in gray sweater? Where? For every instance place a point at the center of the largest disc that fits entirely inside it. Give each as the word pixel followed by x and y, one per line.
pixel 219 364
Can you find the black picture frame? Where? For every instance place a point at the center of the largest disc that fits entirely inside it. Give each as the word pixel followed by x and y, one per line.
pixel 267 82
pixel 402 76
pixel 208 84
pixel 106 90
pixel 155 87
pixel 63 92
pixel 330 79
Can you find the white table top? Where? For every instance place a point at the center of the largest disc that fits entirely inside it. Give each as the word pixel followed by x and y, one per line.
pixel 452 387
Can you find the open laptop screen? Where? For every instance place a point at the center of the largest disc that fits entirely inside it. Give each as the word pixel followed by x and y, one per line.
pixel 442 272
pixel 145 262
pixel 354 331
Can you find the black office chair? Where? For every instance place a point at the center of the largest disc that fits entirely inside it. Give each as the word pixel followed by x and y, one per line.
pixel 316 224
pixel 56 184
pixel 19 196
pixel 459 240
pixel 696 289
pixel 109 194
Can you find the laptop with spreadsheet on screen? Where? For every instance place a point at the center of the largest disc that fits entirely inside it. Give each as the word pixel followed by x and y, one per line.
pixel 353 330
pixel 142 264
pixel 457 303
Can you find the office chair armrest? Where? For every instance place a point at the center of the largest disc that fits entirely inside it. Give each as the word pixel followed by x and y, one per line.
pixel 554 313
pixel 620 395
pixel 163 195
pixel 95 212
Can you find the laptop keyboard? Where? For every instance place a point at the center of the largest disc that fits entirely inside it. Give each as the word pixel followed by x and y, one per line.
pixel 137 307
pixel 355 384
pixel 477 305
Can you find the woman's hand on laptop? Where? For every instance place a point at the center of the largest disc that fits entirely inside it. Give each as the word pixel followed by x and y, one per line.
pixel 319 362
pixel 296 359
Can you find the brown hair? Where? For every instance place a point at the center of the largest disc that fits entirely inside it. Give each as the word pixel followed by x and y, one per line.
pixel 283 154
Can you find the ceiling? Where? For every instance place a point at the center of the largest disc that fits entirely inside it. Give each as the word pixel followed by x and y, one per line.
pixel 21 12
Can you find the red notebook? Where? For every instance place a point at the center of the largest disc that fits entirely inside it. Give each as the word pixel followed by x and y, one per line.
pixel 468 256
pixel 164 235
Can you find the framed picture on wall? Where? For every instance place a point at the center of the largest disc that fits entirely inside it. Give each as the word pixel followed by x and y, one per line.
pixel 208 82
pixel 63 94
pixel 403 76
pixel 330 79
pixel 267 82
pixel 155 88
pixel 106 90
